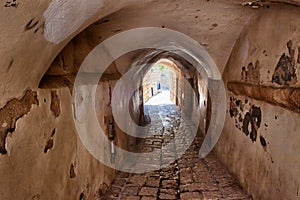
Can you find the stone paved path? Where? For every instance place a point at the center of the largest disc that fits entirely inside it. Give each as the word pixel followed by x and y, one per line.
pixel 188 177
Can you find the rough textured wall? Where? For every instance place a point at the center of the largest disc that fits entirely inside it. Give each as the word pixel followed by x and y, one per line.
pixel 31 149
pixel 208 23
pixel 45 159
pixel 260 140
pixel 24 43
pixel 42 148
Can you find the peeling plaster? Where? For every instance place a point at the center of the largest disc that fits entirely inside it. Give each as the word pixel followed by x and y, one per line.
pixel 64 17
pixel 11 112
pixel 247 118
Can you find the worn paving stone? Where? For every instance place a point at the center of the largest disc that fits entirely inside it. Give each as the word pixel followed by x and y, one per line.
pixel 191 196
pixel 169 183
pixel 202 177
pixel 148 198
pixel 192 187
pixel 169 191
pixel 186 179
pixel 148 191
pixel 212 195
pixel 132 190
pixel 137 180
pixel 153 182
pixel 185 176
pixel 131 198
pixel 167 196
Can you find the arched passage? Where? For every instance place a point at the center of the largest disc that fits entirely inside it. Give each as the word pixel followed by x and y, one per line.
pixel 255 46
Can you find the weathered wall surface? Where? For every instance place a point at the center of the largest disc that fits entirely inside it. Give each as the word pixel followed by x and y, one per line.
pixel 24 42
pixel 42 156
pixel 260 140
pixel 45 159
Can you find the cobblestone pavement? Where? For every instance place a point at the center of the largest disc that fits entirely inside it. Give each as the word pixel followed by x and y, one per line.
pixel 188 177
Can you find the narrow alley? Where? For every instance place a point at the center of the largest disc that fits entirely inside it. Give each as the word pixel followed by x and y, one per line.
pixel 187 178
pixel 142 100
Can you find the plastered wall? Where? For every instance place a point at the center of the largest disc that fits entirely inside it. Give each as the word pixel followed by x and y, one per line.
pixel 260 140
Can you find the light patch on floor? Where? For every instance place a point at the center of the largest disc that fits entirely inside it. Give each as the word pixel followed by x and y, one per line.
pixel 162 98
